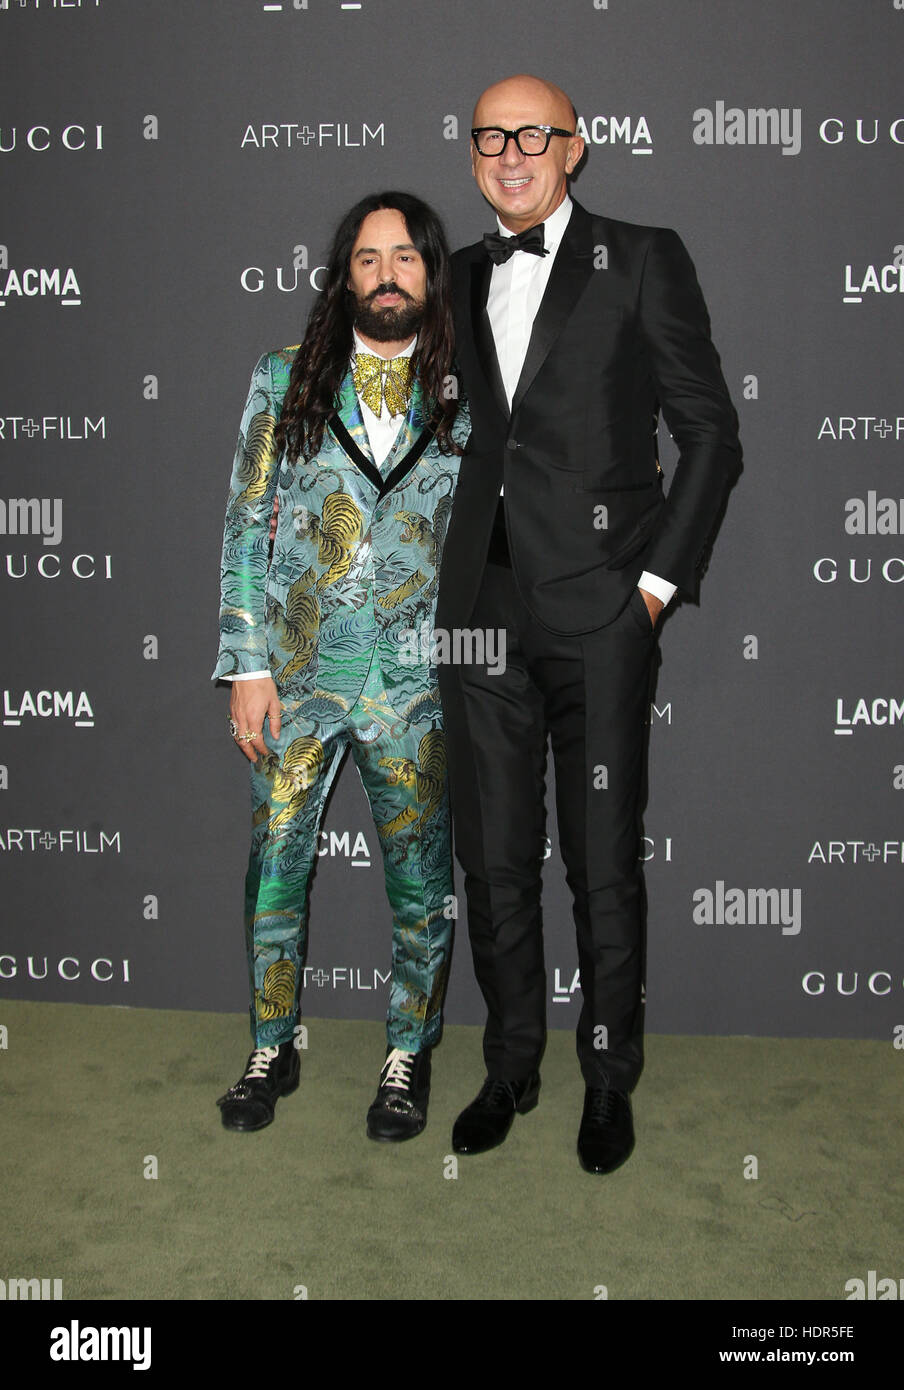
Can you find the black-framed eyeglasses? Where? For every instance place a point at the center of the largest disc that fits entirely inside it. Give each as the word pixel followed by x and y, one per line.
pixel 491 140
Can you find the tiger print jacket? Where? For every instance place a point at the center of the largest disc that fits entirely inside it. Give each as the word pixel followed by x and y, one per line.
pixel 353 572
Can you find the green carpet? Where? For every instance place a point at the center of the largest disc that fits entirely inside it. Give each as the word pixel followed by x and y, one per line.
pixel 87 1095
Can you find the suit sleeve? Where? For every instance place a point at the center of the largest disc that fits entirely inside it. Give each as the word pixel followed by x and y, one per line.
pixel 696 407
pixel 246 536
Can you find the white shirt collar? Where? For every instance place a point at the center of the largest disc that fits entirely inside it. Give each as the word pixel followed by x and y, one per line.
pixel 553 227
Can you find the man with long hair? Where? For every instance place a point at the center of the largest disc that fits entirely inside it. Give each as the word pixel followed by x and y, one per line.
pixel 354 438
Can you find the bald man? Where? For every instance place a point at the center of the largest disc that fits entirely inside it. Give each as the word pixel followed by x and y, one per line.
pixel 573 332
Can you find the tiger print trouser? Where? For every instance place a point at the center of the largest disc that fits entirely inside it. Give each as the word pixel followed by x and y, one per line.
pixel 403 769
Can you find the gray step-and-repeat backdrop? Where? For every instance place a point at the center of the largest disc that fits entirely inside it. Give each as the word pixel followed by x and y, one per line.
pixel 171 175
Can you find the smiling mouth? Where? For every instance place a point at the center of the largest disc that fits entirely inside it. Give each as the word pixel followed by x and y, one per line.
pixel 515 183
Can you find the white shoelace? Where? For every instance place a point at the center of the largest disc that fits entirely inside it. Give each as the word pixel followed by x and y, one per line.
pixel 260 1060
pixel 397 1069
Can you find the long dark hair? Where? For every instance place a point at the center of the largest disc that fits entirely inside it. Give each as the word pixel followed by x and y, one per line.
pixel 322 360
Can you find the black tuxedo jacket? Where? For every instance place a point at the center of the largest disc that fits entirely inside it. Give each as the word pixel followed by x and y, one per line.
pixel 621 333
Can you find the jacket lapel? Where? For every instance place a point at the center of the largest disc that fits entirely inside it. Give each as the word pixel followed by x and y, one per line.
pixel 481 270
pixel 411 441
pixel 411 428
pixel 351 432
pixel 568 279
pixel 350 414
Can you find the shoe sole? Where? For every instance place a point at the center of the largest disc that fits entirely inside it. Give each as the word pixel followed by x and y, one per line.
pixel 610 1168
pixel 395 1138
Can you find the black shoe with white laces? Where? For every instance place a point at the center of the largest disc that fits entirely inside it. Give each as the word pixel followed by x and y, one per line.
pixel 400 1108
pixel 271 1072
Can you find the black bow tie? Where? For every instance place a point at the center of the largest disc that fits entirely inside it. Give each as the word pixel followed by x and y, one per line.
pixel 502 248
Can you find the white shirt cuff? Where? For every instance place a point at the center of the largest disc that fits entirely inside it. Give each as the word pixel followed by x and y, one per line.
pixel 246 676
pixel 659 588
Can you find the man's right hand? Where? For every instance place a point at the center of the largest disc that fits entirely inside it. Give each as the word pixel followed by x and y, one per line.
pixel 249 704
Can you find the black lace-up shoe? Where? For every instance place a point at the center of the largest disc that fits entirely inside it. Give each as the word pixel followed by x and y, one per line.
pixel 488 1119
pixel 400 1108
pixel 271 1072
pixel 606 1136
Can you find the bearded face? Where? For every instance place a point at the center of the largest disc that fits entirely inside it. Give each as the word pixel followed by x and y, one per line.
pixel 387 279
pixel 388 323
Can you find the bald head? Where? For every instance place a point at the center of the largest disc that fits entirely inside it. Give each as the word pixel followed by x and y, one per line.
pixel 525 189
pixel 527 89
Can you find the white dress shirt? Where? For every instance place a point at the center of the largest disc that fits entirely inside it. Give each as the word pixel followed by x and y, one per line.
pixel 516 288
pixel 382 431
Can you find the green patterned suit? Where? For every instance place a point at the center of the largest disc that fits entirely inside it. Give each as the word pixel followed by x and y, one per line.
pixel 353 574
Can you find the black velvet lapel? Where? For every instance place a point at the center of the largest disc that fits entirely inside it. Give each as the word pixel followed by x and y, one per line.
pixel 357 456
pixel 405 465
pixel 369 469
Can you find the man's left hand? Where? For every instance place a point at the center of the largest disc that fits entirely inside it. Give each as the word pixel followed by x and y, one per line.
pixel 654 605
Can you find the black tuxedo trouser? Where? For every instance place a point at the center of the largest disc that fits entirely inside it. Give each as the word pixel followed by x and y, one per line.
pixel 590 695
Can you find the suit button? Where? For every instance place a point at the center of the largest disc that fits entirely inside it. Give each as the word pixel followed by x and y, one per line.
pixel 512 444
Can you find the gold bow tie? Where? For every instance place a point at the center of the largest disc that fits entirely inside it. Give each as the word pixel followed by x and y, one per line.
pixel 378 379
